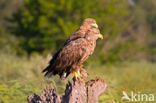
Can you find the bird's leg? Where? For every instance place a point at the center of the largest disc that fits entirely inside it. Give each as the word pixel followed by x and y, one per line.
pixel 77 75
pixel 81 66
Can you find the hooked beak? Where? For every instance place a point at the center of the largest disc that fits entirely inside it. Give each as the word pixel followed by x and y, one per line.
pixel 95 25
pixel 100 36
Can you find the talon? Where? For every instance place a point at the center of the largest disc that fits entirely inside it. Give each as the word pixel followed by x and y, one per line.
pixel 78 76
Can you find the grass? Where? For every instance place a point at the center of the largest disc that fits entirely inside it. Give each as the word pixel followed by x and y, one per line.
pixel 21 76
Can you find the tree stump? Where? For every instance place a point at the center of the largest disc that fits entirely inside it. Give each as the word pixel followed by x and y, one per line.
pixel 76 92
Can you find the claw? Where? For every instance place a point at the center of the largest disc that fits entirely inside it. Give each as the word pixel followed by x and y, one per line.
pixel 78 76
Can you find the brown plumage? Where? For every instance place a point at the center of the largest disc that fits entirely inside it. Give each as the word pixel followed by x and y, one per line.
pixel 86 25
pixel 70 58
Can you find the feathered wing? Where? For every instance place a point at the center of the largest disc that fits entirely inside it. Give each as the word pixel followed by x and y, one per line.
pixel 78 34
pixel 68 58
pixel 50 67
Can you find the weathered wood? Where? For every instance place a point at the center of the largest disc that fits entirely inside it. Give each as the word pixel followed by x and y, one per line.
pixel 76 92
pixel 94 89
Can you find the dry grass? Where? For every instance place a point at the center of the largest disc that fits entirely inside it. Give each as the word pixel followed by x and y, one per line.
pixel 21 76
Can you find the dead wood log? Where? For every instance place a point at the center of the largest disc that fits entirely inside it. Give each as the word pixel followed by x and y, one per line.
pixel 76 92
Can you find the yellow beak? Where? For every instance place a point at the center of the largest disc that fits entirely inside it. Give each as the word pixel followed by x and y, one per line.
pixel 95 25
pixel 100 36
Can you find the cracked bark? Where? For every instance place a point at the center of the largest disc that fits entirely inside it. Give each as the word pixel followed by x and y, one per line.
pixel 76 92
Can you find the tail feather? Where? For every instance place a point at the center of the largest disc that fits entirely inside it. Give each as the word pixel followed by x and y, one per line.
pixel 48 71
pixel 64 75
pixel 48 74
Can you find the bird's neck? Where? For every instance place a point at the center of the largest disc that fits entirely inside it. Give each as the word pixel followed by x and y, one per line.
pixel 84 28
pixel 91 39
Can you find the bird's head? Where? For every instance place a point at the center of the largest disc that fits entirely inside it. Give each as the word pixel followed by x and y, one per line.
pixel 94 33
pixel 88 24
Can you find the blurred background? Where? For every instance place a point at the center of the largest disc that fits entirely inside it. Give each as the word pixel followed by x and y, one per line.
pixel 31 31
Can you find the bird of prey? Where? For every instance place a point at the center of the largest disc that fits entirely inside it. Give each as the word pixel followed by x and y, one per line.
pixel 80 32
pixel 70 58
pixel 86 25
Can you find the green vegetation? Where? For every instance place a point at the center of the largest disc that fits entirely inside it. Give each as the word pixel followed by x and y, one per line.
pixel 21 77
pixel 41 26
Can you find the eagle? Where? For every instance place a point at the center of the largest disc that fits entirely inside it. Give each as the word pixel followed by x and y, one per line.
pixel 76 50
